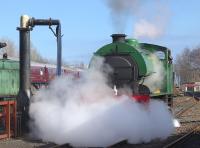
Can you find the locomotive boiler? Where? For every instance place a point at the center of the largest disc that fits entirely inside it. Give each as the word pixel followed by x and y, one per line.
pixel 145 68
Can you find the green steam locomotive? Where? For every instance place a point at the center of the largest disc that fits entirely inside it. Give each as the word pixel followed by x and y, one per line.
pixel 145 68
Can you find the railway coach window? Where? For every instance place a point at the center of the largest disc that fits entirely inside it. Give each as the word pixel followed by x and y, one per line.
pixel 160 55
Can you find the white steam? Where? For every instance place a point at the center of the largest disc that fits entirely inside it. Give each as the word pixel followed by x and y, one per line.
pixel 156 79
pixel 143 28
pixel 85 113
pixel 176 123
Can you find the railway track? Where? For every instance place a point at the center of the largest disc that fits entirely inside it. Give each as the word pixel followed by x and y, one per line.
pixel 188 140
pixel 62 146
pixel 117 145
pixel 51 145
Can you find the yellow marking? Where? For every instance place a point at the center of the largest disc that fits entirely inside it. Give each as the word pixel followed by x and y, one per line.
pixel 157 91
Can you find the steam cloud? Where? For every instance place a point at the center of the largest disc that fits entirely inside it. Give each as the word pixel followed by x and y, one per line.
pixel 156 79
pixel 143 28
pixel 150 19
pixel 85 113
pixel 154 23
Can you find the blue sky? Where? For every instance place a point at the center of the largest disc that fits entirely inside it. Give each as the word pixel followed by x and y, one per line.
pixel 87 25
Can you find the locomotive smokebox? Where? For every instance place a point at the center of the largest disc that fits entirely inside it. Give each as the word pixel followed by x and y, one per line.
pixel 118 37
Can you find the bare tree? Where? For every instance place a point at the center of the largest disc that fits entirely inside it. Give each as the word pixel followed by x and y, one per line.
pixel 36 56
pixel 187 65
pixel 195 56
pixel 12 51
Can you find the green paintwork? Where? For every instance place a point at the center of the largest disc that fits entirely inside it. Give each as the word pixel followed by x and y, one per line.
pixel 141 53
pixel 131 47
pixel 125 48
pixel 9 78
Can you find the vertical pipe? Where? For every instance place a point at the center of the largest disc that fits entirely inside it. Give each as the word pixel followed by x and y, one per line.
pixel 59 49
pixel 24 52
pixel 25 61
pixel 23 98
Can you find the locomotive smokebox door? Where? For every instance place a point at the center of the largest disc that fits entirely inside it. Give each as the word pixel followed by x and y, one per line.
pixel 124 70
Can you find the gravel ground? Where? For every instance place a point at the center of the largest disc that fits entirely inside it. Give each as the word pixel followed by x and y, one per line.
pixel 180 104
pixel 20 143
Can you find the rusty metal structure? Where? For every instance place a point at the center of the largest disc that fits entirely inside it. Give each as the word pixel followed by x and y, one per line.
pixel 8 114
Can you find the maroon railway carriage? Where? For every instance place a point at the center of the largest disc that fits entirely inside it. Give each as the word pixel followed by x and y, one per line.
pixel 39 76
pixel 42 74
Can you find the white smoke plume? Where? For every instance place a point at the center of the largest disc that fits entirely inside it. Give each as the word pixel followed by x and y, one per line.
pixel 85 113
pixel 150 18
pixel 156 79
pixel 120 11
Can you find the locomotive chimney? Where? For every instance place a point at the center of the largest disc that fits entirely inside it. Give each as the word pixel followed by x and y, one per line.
pixel 2 45
pixel 118 37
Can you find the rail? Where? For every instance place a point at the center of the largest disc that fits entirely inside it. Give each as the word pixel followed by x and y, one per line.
pixel 183 138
